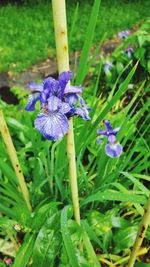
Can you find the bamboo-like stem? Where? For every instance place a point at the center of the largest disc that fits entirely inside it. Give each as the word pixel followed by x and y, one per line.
pixel 14 159
pixel 60 25
pixel 140 235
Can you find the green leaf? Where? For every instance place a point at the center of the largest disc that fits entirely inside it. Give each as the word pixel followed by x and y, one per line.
pixel 48 242
pixel 112 195
pixel 142 264
pixel 67 240
pixel 124 238
pixel 88 42
pixel 91 254
pixel 24 253
pixel 137 183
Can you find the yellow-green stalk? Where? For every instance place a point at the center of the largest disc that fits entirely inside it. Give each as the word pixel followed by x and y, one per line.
pixel 14 159
pixel 140 235
pixel 60 25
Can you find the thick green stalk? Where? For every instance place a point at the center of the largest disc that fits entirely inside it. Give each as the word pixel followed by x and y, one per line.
pixel 140 235
pixel 14 159
pixel 60 25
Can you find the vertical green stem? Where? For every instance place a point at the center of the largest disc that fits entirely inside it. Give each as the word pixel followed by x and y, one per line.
pixel 140 235
pixel 60 25
pixel 14 159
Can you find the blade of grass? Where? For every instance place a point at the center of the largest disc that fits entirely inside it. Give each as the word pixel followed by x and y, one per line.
pixel 88 42
pixel 67 240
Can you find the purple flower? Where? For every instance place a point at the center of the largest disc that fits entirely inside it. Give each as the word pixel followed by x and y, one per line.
pixel 129 51
pixel 58 102
pixel 107 66
pixel 123 34
pixel 113 149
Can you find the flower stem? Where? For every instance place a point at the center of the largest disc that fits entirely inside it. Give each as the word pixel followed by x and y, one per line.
pixel 60 25
pixel 140 235
pixel 14 159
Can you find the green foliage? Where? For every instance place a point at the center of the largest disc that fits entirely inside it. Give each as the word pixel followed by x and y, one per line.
pixel 27 30
pixel 112 191
pixel 139 43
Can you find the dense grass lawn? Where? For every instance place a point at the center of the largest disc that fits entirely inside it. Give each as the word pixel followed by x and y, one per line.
pixel 26 32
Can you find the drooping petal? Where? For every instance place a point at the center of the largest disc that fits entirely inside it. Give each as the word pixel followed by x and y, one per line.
pixel 54 103
pixel 111 139
pixel 113 150
pixel 82 112
pixel 71 99
pixel 51 84
pixel 108 125
pixel 32 99
pixel 82 102
pixel 35 87
pixel 102 132
pixel 69 89
pixel 52 126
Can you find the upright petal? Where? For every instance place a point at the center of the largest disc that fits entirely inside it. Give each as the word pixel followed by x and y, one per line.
pixel 113 150
pixel 63 79
pixel 51 84
pixel 116 130
pixel 108 125
pixel 52 126
pixel 54 103
pixel 35 87
pixel 32 99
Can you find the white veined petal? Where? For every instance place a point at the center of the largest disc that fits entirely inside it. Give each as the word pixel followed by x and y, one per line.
pixel 52 126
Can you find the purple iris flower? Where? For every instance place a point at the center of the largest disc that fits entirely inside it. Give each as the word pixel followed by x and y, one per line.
pixel 58 102
pixel 123 34
pixel 113 149
pixel 129 51
pixel 107 66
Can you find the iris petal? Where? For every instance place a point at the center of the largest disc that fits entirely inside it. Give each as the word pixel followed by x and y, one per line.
pixel 65 108
pixel 82 112
pixel 53 103
pixel 51 84
pixel 112 138
pixel 52 126
pixel 71 99
pixel 108 125
pixel 64 78
pixel 69 89
pixel 113 150
pixel 116 130
pixel 102 132
pixel 35 87
pixel 32 99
